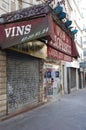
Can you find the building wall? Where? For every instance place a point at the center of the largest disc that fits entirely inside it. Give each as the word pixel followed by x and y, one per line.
pixel 3 80
pixel 64 77
pixel 4 6
pixel 77 23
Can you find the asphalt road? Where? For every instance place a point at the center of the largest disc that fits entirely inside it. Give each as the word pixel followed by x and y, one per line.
pixel 69 113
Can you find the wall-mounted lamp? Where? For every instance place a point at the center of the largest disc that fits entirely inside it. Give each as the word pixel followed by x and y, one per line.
pixel 74 31
pixel 68 23
pixel 58 9
pixel 62 15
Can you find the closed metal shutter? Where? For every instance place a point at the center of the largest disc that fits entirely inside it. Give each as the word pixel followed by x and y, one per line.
pixel 73 77
pixel 22 80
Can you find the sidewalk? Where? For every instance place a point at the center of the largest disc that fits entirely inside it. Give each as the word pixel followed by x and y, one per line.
pixel 68 113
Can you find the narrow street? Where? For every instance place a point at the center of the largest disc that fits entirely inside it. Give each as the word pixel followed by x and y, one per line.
pixel 69 113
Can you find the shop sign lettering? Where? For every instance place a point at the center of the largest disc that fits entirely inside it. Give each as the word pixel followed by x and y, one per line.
pixel 18 30
pixel 34 35
pixel 61 40
pixel 58 55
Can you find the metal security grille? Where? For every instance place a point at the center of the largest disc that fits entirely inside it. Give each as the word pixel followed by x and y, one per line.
pixel 22 81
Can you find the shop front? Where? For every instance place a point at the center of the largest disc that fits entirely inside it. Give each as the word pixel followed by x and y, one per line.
pixel 23 63
pixel 58 51
pixel 24 75
pixel 34 51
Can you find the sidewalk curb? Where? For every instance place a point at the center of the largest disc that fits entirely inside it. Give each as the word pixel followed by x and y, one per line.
pixel 21 112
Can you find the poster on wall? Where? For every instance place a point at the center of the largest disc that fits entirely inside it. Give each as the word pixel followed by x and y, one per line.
pixel 51 79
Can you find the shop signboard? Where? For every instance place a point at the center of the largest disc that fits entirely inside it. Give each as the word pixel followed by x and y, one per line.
pixel 53 53
pixel 20 32
pixel 62 47
pixel 62 42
